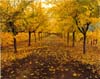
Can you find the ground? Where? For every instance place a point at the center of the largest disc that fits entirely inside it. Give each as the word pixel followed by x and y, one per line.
pixel 50 59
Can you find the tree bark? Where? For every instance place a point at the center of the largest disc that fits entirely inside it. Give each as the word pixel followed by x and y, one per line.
pixel 73 43
pixel 15 46
pixel 29 42
pixel 35 36
pixel 64 36
pixel 68 39
pixel 39 36
pixel 84 44
pixel 44 34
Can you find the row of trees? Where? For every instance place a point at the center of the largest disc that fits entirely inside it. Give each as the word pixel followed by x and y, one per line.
pixel 65 16
pixel 24 16
pixel 77 16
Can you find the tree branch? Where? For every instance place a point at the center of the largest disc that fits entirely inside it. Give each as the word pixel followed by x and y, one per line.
pixel 80 29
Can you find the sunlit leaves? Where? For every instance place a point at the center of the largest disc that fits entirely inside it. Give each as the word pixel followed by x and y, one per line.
pixel 83 19
pixel 49 61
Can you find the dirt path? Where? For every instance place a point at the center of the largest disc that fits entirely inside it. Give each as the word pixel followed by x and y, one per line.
pixel 51 62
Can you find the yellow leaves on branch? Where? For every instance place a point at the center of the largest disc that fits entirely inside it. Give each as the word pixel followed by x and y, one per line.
pixel 93 35
pixel 94 20
pixel 4 4
pixel 18 23
pixel 69 20
pixel 87 13
pixel 83 19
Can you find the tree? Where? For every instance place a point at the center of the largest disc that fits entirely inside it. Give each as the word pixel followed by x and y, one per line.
pixel 84 19
pixel 65 11
pixel 81 11
pixel 35 18
pixel 12 15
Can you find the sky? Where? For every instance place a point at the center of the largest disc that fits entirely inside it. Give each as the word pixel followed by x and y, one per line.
pixel 44 5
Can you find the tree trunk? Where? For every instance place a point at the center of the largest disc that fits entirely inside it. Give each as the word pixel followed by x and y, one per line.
pixel 68 39
pixel 73 39
pixel 39 36
pixel 84 44
pixel 15 46
pixel 44 34
pixel 64 36
pixel 91 42
pixel 29 42
pixel 84 30
pixel 34 36
pixel 96 41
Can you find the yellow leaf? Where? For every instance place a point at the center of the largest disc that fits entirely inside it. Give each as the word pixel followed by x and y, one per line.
pixel 74 74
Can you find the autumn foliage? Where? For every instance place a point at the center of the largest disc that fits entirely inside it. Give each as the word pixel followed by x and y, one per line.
pixel 50 39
